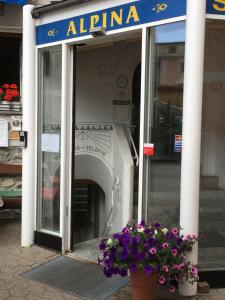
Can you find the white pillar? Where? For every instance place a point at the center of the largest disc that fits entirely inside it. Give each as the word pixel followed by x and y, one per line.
pixel 28 96
pixel 192 117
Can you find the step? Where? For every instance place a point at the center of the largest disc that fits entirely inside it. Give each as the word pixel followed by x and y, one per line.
pixel 210 182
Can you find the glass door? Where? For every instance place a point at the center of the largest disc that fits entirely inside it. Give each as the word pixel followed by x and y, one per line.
pixel 163 123
pixel 212 192
pixel 49 141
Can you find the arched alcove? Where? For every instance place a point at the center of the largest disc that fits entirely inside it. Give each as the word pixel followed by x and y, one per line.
pixel 92 198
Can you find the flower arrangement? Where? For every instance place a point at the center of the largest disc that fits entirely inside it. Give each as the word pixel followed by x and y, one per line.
pixel 9 92
pixel 155 249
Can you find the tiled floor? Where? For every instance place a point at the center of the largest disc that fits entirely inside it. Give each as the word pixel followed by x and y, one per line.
pixel 15 260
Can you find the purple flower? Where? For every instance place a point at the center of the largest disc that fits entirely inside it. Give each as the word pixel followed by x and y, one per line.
pixel 142 223
pixel 152 241
pixel 157 225
pixel 123 273
pixel 147 231
pixel 148 270
pixel 107 262
pixel 126 230
pixel 152 251
pixel 107 273
pixel 135 253
pixel 116 236
pixel 135 240
pixel 124 255
pixel 174 252
pixel 142 256
pixel 102 245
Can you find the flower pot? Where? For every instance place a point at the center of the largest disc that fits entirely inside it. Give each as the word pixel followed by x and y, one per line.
pixel 143 286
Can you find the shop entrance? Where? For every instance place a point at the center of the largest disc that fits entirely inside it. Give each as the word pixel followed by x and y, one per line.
pixel 106 137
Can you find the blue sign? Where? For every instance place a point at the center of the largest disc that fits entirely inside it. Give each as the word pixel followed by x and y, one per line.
pixel 20 2
pixel 122 16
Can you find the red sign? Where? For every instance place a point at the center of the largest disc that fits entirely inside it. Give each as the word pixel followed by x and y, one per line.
pixel 149 149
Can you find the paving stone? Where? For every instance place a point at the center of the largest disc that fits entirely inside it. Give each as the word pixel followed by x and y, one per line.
pixel 4 294
pixel 16 291
pixel 53 296
pixel 124 296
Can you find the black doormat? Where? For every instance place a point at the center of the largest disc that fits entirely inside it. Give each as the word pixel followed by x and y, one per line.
pixel 211 239
pixel 81 279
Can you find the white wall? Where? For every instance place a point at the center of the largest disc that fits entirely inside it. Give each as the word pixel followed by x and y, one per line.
pixel 11 20
pixel 98 70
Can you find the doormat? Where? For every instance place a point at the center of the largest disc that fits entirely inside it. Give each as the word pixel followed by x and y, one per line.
pixel 81 279
pixel 211 239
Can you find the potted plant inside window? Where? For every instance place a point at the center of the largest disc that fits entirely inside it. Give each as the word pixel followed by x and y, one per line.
pixel 9 97
pixel 151 254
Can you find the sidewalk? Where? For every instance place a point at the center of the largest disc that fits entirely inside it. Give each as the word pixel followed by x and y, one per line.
pixel 15 260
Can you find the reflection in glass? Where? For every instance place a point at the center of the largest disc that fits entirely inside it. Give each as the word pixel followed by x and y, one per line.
pixel 49 138
pixel 212 194
pixel 163 123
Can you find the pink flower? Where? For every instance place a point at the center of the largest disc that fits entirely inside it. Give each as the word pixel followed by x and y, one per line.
pixel 172 289
pixel 165 245
pixel 1 91
pixel 152 251
pixel 174 252
pixel 175 231
pixel 165 269
pixel 194 270
pixel 181 265
pixel 162 280
pixel 126 230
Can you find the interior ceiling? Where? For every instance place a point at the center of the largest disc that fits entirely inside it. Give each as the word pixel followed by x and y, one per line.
pixel 107 40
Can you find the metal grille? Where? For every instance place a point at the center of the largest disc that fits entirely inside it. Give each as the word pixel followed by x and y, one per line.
pixel 78 278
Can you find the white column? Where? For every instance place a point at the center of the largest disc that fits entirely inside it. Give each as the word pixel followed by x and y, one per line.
pixel 192 117
pixel 28 96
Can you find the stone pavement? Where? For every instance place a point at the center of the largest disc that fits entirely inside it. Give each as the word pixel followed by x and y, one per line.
pixel 15 260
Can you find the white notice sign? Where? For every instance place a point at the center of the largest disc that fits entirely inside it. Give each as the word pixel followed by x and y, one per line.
pixel 4 133
pixel 50 142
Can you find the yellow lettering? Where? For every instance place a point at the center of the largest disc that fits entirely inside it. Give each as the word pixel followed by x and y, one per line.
pixel 71 29
pixel 132 14
pixel 94 20
pixel 219 7
pixel 104 20
pixel 116 17
pixel 82 29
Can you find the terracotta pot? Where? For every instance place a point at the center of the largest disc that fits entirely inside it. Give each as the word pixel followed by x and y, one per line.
pixel 143 286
